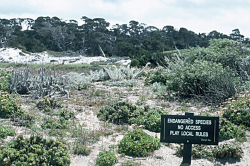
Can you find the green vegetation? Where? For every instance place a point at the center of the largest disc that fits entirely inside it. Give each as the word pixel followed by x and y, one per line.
pixel 9 107
pixel 125 112
pixel 5 80
pixel 228 130
pixel 224 151
pixel 129 163
pixel 34 151
pixel 138 143
pixel 81 149
pixel 237 111
pixel 6 131
pixel 106 158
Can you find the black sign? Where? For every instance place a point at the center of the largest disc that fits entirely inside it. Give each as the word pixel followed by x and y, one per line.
pixel 189 129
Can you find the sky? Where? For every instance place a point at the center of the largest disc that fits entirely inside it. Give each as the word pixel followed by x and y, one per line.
pixel 199 16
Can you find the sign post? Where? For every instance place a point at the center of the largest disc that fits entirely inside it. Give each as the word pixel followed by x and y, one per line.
pixel 189 129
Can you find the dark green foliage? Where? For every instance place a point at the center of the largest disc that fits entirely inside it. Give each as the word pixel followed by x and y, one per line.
pixel 224 151
pixel 66 114
pixel 34 151
pixel 228 130
pixel 237 111
pixel 117 113
pixel 160 76
pixel 52 123
pixel 150 118
pixel 138 143
pixel 9 107
pixel 134 63
pixel 124 112
pixel 207 80
pixel 106 158
pixel 5 80
pixel 6 131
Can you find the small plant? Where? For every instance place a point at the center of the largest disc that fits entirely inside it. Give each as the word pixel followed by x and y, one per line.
pixel 66 114
pixel 237 111
pixel 160 76
pixel 9 107
pixel 224 151
pixel 6 131
pixel 138 143
pixel 116 113
pixel 48 104
pixel 106 158
pixel 5 80
pixel 34 151
pixel 52 123
pixel 228 151
pixel 81 149
pixel 228 130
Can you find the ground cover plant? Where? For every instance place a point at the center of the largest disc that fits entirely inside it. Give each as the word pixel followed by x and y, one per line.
pixel 106 158
pixel 125 112
pixel 34 150
pixel 138 143
pixel 237 110
pixel 6 131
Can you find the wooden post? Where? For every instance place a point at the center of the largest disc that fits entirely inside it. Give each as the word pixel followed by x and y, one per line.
pixel 187 149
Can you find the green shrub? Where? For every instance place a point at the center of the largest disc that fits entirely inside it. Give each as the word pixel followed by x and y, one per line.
pixel 124 112
pixel 5 80
pixel 160 76
pixel 106 158
pixel 52 123
pixel 224 151
pixel 117 113
pixel 48 104
pixel 134 63
pixel 34 151
pixel 81 149
pixel 138 143
pixel 228 130
pixel 6 131
pixel 66 114
pixel 150 118
pixel 208 80
pixel 9 107
pixel 237 111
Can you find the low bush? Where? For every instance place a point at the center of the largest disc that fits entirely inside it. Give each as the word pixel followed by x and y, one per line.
pixel 134 63
pixel 34 151
pixel 160 76
pixel 9 107
pixel 150 118
pixel 117 113
pixel 237 111
pixel 81 149
pixel 106 158
pixel 6 131
pixel 227 130
pixel 48 104
pixel 66 114
pixel 224 151
pixel 5 80
pixel 138 143
pixel 125 112
pixel 52 123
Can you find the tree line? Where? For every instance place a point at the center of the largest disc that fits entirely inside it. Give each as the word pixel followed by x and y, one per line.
pixel 136 40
